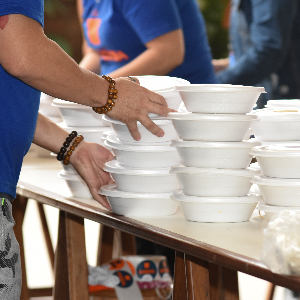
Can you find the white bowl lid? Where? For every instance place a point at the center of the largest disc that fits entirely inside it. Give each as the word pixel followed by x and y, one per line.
pixel 264 180
pixel 283 103
pixel 113 166
pixel 83 129
pixel 210 117
pixel 220 88
pixel 199 144
pixel 115 143
pixel 279 114
pixel 68 104
pixel 250 198
pixel 64 175
pixel 157 120
pixel 160 83
pixel 276 209
pixel 280 150
pixel 111 190
pixel 248 172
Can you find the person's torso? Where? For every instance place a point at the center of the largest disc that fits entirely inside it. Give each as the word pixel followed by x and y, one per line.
pixel 119 29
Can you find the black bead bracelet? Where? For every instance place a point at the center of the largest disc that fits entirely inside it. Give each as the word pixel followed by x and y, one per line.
pixel 66 144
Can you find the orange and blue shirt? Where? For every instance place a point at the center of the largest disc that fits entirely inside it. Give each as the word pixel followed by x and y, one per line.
pixel 119 29
pixel 19 104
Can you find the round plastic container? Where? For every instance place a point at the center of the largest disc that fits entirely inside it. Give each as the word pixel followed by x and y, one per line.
pixel 123 133
pixel 224 155
pixel 277 125
pixel 211 127
pixel 141 180
pixel 278 191
pixel 271 210
pixel 78 115
pixel 138 204
pixel 90 134
pixel 46 107
pixel 216 209
pixel 284 103
pixel 143 155
pixel 280 161
pixel 204 182
pixel 77 186
pixel 219 99
pixel 159 84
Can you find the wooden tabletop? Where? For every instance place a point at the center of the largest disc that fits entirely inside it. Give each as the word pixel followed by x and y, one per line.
pixel 236 246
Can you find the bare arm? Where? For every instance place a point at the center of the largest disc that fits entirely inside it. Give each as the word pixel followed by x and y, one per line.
pixel 163 54
pixel 88 159
pixel 29 55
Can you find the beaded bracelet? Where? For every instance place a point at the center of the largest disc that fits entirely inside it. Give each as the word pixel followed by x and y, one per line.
pixel 66 144
pixel 72 148
pixel 112 97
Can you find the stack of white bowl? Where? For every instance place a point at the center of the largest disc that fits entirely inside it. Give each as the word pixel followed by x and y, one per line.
pixel 50 112
pixel 279 183
pixel 216 178
pixel 86 122
pixel 141 171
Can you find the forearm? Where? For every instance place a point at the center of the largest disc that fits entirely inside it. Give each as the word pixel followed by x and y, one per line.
pixel 41 63
pixel 162 55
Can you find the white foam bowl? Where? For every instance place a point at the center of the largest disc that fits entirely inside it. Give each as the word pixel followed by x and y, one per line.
pixel 216 209
pixel 159 84
pixel 219 99
pixel 78 115
pixel 138 204
pixel 90 134
pixel 277 125
pixel 211 127
pixel 284 103
pixel 141 180
pixel 271 210
pixel 204 182
pixel 123 133
pixel 224 155
pixel 77 186
pixel 280 161
pixel 278 191
pixel 172 98
pixel 46 107
pixel 144 156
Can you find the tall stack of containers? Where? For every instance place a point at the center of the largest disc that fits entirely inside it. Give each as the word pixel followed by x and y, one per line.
pixel 141 170
pixel 86 122
pixel 215 178
pixel 278 129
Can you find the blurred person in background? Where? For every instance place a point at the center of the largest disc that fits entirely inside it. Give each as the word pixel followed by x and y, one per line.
pixel 264 48
pixel 157 37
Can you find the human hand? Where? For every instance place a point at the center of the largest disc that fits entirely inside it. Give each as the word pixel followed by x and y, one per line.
pixel 220 64
pixel 134 103
pixel 88 160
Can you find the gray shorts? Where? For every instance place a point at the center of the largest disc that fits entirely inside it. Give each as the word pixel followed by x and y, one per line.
pixel 10 264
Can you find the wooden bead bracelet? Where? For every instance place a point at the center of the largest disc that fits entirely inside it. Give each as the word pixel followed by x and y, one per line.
pixel 66 144
pixel 112 97
pixel 72 148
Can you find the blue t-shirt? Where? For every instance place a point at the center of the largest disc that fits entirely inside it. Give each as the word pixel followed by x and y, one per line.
pixel 119 29
pixel 19 106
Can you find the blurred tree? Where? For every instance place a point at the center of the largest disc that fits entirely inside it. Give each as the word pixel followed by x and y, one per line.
pixel 62 26
pixel 216 15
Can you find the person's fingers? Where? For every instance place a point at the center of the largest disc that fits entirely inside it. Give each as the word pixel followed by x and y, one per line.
pixel 133 129
pixel 152 127
pixel 101 199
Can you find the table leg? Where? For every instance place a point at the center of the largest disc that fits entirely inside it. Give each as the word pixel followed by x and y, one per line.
pixel 179 284
pixel 197 278
pixel 71 272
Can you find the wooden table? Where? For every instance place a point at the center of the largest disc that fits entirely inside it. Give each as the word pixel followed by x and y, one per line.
pixel 208 255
